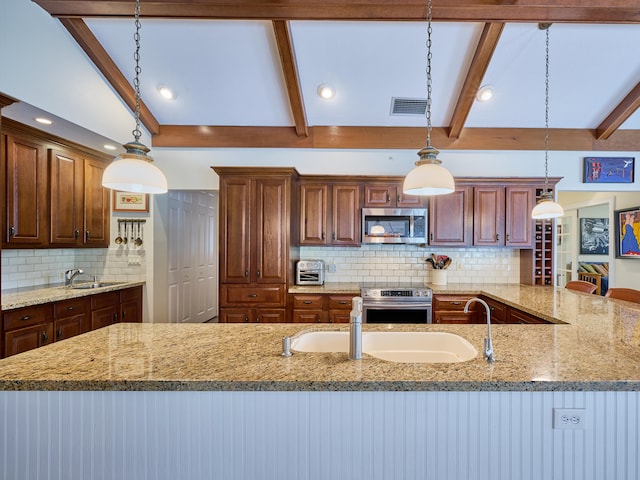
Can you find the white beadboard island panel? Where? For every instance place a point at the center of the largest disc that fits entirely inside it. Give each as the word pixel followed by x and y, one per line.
pixel 316 435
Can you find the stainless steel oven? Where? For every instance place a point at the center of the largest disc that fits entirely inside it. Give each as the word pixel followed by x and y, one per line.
pixel 396 304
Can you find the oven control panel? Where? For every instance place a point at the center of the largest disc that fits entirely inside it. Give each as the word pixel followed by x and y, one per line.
pixel 401 294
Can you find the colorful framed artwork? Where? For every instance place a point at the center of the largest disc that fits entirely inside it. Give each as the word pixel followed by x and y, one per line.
pixel 594 236
pixel 608 170
pixel 130 202
pixel 628 233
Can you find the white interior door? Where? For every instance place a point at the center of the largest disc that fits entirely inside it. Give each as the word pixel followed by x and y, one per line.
pixel 192 256
pixel 566 243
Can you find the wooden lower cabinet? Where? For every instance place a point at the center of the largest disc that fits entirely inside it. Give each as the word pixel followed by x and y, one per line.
pixel 501 313
pixel 320 308
pixel 449 308
pixel 32 327
pixel 253 315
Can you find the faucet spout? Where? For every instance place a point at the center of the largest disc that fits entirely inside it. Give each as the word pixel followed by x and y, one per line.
pixel 70 275
pixel 488 343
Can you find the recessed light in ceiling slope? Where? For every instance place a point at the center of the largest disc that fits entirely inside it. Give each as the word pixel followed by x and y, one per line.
pixel 326 91
pixel 485 93
pixel 43 121
pixel 166 93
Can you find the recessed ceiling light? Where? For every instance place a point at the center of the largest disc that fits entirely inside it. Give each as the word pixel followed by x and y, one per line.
pixel 109 147
pixel 485 93
pixel 166 93
pixel 326 91
pixel 43 121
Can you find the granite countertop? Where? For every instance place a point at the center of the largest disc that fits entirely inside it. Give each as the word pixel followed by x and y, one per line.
pixel 26 297
pixel 598 349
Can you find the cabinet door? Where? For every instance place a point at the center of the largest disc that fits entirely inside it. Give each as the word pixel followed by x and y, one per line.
pixel 131 305
pixel 26 193
pixel 346 215
pixel 450 218
pixel 313 212
pixel 488 216
pixel 21 340
pixel 379 195
pixel 235 211
pixel 409 201
pixel 276 315
pixel 104 317
pixel 71 326
pixel 518 221
pixel 234 315
pixel 271 239
pixel 96 205
pixel 66 183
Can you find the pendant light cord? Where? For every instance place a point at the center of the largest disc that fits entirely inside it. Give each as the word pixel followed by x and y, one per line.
pixel 546 115
pixel 136 81
pixel 429 29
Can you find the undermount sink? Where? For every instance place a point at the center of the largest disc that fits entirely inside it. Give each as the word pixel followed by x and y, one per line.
pixel 86 286
pixel 400 347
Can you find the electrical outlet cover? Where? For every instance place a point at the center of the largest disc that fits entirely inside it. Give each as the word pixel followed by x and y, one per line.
pixel 569 418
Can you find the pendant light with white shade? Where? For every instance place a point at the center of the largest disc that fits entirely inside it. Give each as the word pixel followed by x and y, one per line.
pixel 546 207
pixel 133 171
pixel 428 177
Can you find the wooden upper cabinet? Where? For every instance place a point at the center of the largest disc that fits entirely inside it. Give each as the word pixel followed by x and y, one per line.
pixel 450 218
pixel 381 195
pixel 96 205
pixel 25 217
pixel 66 183
pixel 346 215
pixel 488 216
pixel 235 230
pixel 79 203
pixel 330 214
pixel 518 222
pixel 313 211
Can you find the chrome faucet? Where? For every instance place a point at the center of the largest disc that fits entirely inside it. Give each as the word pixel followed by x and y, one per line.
pixel 70 275
pixel 488 344
pixel 355 329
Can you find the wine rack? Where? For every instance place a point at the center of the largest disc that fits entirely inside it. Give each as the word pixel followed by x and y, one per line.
pixel 536 265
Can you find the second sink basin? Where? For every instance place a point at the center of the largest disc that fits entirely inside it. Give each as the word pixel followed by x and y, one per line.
pixel 400 347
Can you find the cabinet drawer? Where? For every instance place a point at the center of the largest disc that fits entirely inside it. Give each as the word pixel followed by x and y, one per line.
pixel 71 307
pixel 24 317
pixel 340 302
pixel 131 294
pixel 307 316
pixel 453 317
pixel 450 302
pixel 242 295
pixel 102 300
pixel 307 301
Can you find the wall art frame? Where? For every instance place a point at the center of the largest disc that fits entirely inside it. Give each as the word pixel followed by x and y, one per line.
pixel 627 223
pixel 130 202
pixel 608 170
pixel 594 236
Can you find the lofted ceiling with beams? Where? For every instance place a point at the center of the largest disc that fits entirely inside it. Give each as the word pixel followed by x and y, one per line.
pixel 246 72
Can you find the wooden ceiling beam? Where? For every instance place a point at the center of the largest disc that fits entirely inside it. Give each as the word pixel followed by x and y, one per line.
pixel 184 136
pixel 98 55
pixel 478 67
pixel 619 114
pixel 604 11
pixel 291 77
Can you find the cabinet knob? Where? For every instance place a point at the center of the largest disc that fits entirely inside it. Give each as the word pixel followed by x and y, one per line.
pixel 71 307
pixel 26 317
pixel 246 274
pixel 12 231
pixel 45 337
pixel 246 319
pixel 58 334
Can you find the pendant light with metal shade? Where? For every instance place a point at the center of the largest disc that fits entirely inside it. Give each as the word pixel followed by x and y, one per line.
pixel 546 207
pixel 133 171
pixel 428 177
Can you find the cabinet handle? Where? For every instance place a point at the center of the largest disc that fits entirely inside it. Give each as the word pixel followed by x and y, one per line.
pixel 508 238
pixel 86 236
pixel 307 302
pixel 12 231
pixel 258 319
pixel 456 303
pixel 431 237
pixel 45 337
pixel 398 199
pixel 246 274
pixel 497 237
pixel 76 234
pixel 258 273
pixel 333 236
pixel 388 198
pixel 253 295
pixel 58 334
pixel 71 307
pixel 27 317
pixel 343 302
pixel 322 235
pixel 246 319
pixel 122 315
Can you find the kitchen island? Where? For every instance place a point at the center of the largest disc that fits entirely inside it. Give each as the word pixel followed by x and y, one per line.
pixel 248 412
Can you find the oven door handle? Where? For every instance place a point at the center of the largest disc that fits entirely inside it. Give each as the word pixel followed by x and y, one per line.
pixel 398 305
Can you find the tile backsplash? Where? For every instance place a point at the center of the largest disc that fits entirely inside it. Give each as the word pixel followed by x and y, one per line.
pixel 406 264
pixel 31 267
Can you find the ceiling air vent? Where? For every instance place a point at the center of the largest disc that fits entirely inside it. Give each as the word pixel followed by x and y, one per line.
pixel 408 106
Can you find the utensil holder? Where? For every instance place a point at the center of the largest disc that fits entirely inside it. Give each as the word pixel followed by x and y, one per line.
pixel 439 277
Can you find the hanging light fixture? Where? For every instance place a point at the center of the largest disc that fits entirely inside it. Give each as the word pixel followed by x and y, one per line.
pixel 133 171
pixel 428 177
pixel 546 207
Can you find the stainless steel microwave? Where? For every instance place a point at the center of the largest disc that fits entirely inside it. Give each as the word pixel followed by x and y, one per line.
pixel 394 225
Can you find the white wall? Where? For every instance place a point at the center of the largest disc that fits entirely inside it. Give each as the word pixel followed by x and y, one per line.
pixel 317 436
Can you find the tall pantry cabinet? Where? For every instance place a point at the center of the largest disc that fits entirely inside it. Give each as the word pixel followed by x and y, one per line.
pixel 256 257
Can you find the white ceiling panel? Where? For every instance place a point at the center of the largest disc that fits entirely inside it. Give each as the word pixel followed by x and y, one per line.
pixel 224 73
